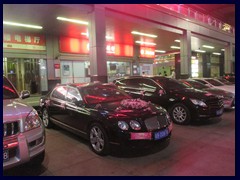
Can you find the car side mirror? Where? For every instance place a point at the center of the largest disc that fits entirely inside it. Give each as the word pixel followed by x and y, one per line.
pixel 24 94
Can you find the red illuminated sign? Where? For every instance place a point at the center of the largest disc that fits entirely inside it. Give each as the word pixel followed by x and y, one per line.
pixel 147 52
pixel 24 41
pixel 73 45
pixel 81 46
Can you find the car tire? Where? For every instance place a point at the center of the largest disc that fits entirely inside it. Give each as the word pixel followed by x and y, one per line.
pixel 37 160
pixel 45 118
pixel 180 114
pixel 98 138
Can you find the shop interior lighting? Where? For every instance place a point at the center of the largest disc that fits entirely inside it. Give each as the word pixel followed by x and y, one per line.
pixel 201 51
pixel 22 25
pixel 144 34
pixel 209 47
pixel 175 47
pixel 177 40
pixel 147 43
pixel 216 53
pixel 109 37
pixel 222 49
pixel 160 51
pixel 72 20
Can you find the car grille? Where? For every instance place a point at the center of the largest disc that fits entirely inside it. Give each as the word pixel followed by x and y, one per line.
pixel 214 103
pixel 156 122
pixel 10 129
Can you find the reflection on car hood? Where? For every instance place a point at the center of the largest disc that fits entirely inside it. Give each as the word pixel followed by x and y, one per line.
pixel 15 110
pixel 194 93
pixel 116 108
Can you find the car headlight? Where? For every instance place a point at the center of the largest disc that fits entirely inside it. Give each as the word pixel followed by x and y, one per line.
pixel 123 125
pixel 198 102
pixel 135 125
pixel 32 121
pixel 168 118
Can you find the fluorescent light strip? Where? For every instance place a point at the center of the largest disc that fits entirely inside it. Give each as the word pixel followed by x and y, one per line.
pixel 148 43
pixel 72 20
pixel 177 40
pixel 201 51
pixel 175 47
pixel 217 53
pixel 22 25
pixel 109 37
pixel 160 51
pixel 209 47
pixel 144 34
pixel 222 49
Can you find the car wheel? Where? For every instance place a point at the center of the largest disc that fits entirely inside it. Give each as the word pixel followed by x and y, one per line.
pixel 98 139
pixel 37 160
pixel 45 118
pixel 180 114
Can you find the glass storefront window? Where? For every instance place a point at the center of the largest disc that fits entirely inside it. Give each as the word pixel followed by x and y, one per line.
pixel 118 69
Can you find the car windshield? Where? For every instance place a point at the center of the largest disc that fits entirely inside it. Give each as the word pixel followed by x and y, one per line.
pixel 196 84
pixel 171 83
pixel 214 82
pixel 8 90
pixel 102 94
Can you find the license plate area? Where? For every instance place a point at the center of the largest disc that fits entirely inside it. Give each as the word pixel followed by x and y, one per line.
pixel 5 155
pixel 161 134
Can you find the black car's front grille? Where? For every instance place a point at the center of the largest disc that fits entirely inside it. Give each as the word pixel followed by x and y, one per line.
pixel 156 122
pixel 214 103
pixel 10 129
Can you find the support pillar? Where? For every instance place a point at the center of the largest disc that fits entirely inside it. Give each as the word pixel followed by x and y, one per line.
pixel 228 59
pixel 185 55
pixel 97 44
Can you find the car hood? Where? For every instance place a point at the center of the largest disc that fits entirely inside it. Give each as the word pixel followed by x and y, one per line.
pixel 219 92
pixel 15 110
pixel 119 109
pixel 193 93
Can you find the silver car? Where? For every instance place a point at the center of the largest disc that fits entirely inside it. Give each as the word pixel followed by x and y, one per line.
pixel 23 132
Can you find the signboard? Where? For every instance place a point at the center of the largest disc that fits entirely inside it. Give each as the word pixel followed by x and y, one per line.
pixel 24 41
pixel 57 70
pixel 147 52
pixel 81 46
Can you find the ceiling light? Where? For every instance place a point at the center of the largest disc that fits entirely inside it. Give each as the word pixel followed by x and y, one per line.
pixel 222 49
pixel 175 47
pixel 72 20
pixel 201 51
pixel 177 40
pixel 147 43
pixel 217 53
pixel 22 25
pixel 85 34
pixel 144 34
pixel 206 46
pixel 160 51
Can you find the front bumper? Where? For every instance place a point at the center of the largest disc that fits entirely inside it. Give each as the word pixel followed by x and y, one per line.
pixel 22 147
pixel 209 112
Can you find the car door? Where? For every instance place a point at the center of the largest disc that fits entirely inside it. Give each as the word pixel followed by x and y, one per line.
pixel 77 115
pixel 151 91
pixel 56 107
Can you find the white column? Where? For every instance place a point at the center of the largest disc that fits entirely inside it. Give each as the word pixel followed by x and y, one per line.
pixel 97 44
pixel 185 54
pixel 228 58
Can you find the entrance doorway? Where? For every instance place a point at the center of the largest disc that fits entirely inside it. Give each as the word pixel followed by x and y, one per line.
pixel 26 73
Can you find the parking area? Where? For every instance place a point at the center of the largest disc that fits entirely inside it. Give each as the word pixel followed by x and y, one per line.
pixel 205 148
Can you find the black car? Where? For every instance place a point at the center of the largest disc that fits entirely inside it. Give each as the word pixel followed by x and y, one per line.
pixel 228 97
pixel 105 116
pixel 182 102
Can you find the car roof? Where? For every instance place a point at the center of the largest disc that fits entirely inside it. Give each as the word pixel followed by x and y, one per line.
pixel 81 85
pixel 146 77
